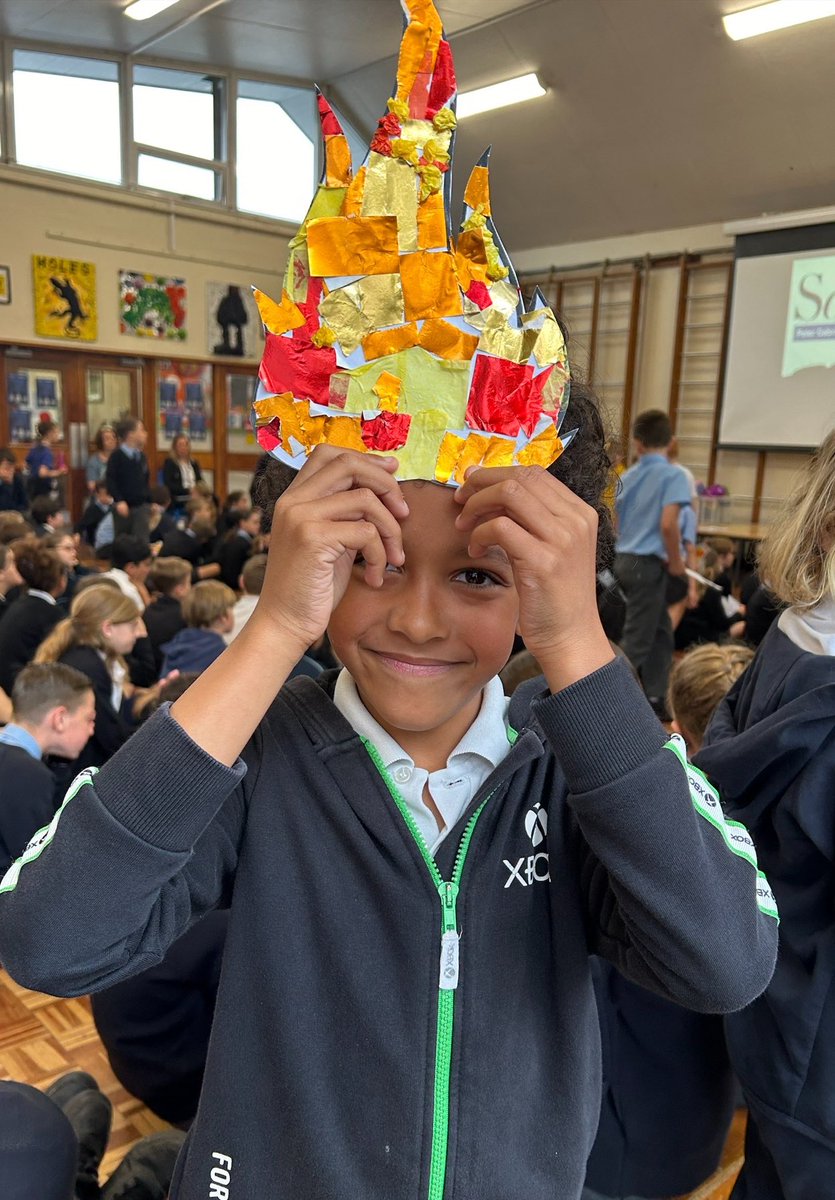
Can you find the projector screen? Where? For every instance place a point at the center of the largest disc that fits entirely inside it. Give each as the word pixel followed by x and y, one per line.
pixel 780 371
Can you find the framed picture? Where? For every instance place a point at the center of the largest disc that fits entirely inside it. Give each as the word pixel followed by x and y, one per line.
pixel 65 298
pixel 5 285
pixel 235 327
pixel 152 306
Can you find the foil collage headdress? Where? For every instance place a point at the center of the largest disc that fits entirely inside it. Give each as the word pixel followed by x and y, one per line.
pixel 391 337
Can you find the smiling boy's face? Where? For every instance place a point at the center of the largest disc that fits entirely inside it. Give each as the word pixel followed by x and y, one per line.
pixel 422 647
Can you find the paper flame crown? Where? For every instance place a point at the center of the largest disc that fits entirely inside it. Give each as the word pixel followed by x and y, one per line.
pixel 390 337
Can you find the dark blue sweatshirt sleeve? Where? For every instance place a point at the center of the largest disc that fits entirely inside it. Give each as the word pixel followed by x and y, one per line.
pixel 159 828
pixel 673 894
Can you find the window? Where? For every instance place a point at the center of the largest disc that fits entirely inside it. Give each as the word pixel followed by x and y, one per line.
pixel 277 128
pixel 168 176
pixel 66 114
pixel 179 114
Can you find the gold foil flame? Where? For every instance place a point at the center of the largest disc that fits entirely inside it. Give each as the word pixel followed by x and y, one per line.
pixel 391 323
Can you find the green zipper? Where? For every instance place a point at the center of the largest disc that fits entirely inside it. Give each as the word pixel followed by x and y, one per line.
pixel 448 891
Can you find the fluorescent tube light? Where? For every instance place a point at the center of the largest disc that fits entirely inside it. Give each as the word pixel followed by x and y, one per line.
pixel 140 10
pixel 497 95
pixel 779 14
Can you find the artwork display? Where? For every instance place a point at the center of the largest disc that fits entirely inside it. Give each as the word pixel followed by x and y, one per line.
pixel 5 285
pixel 152 306
pixel 31 395
pixel 65 298
pixel 184 402
pixel 234 323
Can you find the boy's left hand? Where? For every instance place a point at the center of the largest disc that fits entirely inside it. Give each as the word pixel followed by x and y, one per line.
pixel 550 538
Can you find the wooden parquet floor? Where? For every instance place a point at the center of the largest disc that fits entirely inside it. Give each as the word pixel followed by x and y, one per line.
pixel 42 1037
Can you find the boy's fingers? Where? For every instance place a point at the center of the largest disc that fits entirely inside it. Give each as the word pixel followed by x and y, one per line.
pixel 364 537
pixel 330 468
pixel 535 482
pixel 361 504
pixel 540 510
pixel 518 543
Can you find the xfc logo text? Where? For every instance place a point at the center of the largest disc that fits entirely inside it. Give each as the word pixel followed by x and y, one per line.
pixel 527 871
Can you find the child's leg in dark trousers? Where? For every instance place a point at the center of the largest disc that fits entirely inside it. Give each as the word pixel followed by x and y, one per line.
pixel 647 639
pixel 38 1149
pixel 784 1160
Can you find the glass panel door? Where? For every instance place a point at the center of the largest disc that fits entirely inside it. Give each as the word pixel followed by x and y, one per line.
pixel 240 392
pixel 111 392
pixel 36 392
pixel 184 403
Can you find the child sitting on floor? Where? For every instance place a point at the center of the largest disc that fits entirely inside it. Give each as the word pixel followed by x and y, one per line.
pixel 207 612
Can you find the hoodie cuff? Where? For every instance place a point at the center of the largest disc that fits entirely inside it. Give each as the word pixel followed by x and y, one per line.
pixel 601 727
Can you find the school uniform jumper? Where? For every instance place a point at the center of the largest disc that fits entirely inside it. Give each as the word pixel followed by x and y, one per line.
pixel 361 1047
pixel 128 481
pixel 29 619
pixel 27 792
pixel 770 748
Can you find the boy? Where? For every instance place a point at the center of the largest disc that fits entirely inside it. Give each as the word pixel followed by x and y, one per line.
pixel 128 479
pixel 34 613
pixel 99 506
pixel 557 850
pixel 405 1008
pixel 649 551
pixel 207 612
pixel 170 580
pixel 45 468
pixel 195 541
pixel 131 560
pixel 47 516
pixel 53 712
pixel 250 583
pixel 237 547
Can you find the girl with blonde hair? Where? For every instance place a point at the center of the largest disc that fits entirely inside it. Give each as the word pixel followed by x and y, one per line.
pixel 102 627
pixel 770 749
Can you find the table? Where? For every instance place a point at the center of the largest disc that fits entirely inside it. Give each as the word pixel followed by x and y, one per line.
pixel 754 531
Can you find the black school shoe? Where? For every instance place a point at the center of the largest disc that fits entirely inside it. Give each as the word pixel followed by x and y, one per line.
pixel 72 1084
pixel 90 1113
pixel 145 1172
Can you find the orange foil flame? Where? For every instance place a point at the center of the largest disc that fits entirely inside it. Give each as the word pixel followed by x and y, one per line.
pixel 389 335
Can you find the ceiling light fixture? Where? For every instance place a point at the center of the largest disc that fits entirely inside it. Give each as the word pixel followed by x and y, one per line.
pixel 779 14
pixel 498 95
pixel 141 10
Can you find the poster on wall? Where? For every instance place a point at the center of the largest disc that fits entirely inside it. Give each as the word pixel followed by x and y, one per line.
pixel 65 298
pixel 152 306
pixel 235 327
pixel 32 395
pixel 184 402
pixel 5 285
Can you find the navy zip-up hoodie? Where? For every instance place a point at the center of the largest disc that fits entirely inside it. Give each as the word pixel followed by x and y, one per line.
pixel 324 1078
pixel 770 749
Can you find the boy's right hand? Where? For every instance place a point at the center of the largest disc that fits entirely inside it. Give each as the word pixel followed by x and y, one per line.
pixel 342 502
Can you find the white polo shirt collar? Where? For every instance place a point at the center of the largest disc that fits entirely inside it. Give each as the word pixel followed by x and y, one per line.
pixel 479 752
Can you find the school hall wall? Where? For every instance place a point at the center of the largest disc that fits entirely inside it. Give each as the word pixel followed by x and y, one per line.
pixel 119 230
pixel 46 214
pixel 678 322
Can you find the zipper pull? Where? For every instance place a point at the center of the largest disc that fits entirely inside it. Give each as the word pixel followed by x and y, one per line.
pixel 448 978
